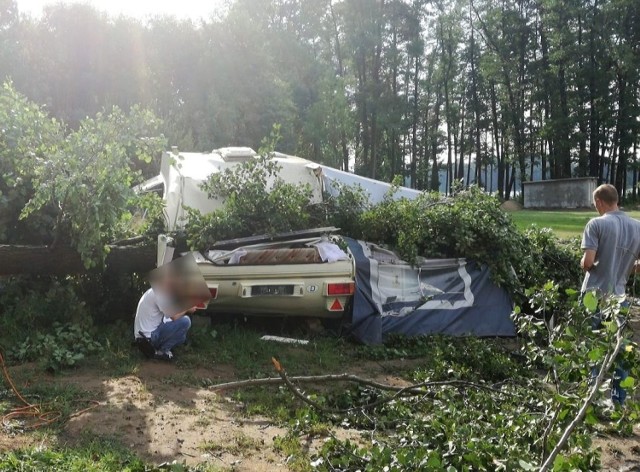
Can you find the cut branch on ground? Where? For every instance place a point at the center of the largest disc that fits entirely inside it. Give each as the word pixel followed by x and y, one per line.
pixel 409 390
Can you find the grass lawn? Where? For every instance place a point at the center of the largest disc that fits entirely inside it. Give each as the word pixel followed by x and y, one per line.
pixel 565 223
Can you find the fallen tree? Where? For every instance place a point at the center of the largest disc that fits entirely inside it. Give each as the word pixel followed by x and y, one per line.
pixel 70 192
pixel 64 260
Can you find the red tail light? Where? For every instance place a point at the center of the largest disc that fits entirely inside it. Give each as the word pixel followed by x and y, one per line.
pixel 214 292
pixel 341 289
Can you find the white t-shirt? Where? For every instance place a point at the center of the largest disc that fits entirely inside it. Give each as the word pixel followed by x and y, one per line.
pixel 150 313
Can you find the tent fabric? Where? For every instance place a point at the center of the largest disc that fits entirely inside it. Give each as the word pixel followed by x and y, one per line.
pixel 441 296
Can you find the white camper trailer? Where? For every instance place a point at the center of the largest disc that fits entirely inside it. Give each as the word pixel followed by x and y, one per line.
pixel 303 273
pixel 182 173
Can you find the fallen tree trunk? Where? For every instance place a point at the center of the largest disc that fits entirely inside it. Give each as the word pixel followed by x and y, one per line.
pixel 63 260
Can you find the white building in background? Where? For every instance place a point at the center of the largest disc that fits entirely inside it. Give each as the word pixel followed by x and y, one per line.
pixel 560 193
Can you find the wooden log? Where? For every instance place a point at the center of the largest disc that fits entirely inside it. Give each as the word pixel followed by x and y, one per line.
pixel 63 260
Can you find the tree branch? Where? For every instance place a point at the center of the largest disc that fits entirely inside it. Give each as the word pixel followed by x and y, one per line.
pixel 608 362
pixel 309 379
pixel 41 260
pixel 414 389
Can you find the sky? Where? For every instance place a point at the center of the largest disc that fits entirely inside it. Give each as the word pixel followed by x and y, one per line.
pixel 193 9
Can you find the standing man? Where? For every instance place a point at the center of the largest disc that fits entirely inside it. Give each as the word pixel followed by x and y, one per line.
pixel 156 329
pixel 611 245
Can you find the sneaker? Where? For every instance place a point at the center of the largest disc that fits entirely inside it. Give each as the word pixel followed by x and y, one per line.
pixel 146 346
pixel 164 356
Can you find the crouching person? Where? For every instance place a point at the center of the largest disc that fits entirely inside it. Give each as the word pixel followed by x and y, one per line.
pixel 156 330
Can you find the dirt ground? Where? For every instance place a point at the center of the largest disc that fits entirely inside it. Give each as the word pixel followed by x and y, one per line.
pixel 163 421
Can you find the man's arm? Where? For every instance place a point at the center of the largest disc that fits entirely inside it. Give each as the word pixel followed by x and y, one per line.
pixel 588 260
pixel 589 244
pixel 182 313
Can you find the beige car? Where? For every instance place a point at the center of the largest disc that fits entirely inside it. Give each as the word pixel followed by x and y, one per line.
pixel 302 274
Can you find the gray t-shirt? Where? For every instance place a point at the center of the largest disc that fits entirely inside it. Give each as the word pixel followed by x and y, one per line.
pixel 616 239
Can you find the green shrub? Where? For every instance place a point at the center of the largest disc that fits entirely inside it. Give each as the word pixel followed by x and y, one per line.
pixel 549 258
pixel 36 303
pixel 469 224
pixel 63 347
pixel 447 357
pixel 452 430
pixel 494 422
pixel 559 338
pixel 256 202
pixel 345 210
pixel 99 454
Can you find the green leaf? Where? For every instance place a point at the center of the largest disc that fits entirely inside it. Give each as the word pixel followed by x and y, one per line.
pixel 559 462
pixel 590 301
pixel 526 465
pixel 629 382
pixel 563 414
pixel 610 326
pixel 590 418
pixel 596 354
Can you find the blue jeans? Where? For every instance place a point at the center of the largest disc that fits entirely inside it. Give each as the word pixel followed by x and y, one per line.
pixel 171 334
pixel 618 394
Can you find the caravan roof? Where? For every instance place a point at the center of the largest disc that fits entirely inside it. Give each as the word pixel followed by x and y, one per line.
pixel 183 173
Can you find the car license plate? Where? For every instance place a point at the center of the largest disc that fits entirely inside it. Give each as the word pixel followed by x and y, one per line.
pixel 271 290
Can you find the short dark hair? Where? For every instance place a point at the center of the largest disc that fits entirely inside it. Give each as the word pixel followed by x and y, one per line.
pixel 607 193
